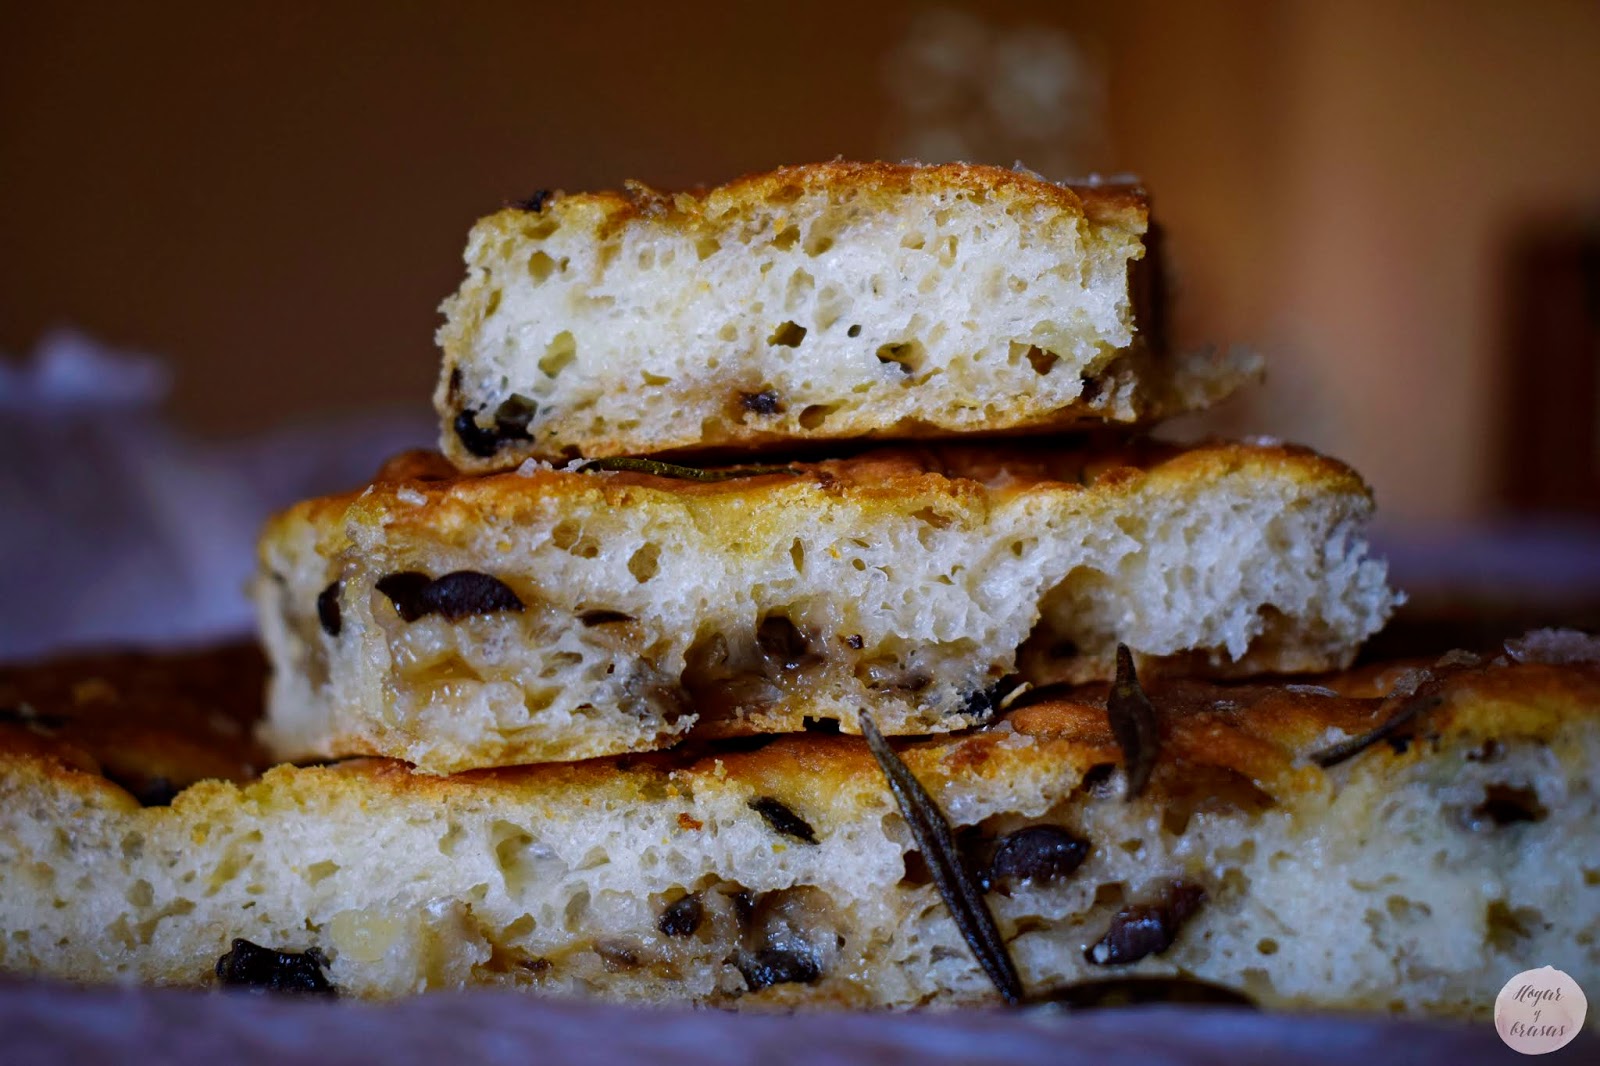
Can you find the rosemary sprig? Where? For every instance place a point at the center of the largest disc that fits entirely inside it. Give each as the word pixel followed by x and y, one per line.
pixel 1133 723
pixel 682 473
pixel 961 895
pixel 1402 711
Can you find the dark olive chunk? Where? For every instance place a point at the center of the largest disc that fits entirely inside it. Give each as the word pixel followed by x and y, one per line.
pixel 260 969
pixel 682 918
pixel 328 609
pixel 456 595
pixel 511 420
pixel 1038 853
pixel 474 438
pixel 760 403
pixel 783 820
pixel 773 966
pixel 534 203
pixel 1146 928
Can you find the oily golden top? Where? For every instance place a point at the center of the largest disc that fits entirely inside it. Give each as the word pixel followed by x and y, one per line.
pixel 108 727
pixel 1122 205
pixel 420 490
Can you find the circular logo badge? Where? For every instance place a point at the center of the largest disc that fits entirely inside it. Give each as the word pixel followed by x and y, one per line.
pixel 1539 1011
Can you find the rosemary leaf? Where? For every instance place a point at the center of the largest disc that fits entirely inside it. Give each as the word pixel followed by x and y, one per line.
pixel 1402 711
pixel 961 895
pixel 1133 723
pixel 683 473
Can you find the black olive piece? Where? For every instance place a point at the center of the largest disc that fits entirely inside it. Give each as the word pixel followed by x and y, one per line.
pixel 23 714
pixel 534 203
pixel 760 403
pixel 1097 776
pixel 1133 723
pixel 155 791
pixel 773 966
pixel 474 438
pixel 251 966
pixel 603 617
pixel 682 918
pixel 328 609
pixel 782 640
pixel 982 703
pixel 782 819
pixel 957 888
pixel 744 907
pixel 456 595
pixel 1037 853
pixel 1146 928
pixel 1505 805
pixel 1135 991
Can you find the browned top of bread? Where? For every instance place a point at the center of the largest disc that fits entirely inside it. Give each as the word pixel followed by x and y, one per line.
pixel 423 488
pixel 1118 203
pixel 101 723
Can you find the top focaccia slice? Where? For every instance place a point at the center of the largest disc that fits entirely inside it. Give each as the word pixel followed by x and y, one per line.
pixel 813 303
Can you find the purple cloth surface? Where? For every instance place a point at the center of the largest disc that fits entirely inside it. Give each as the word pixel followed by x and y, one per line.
pixel 44 1023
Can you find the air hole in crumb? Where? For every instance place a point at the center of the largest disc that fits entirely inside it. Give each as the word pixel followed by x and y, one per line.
pixel 558 354
pixel 706 247
pixel 1041 360
pixel 786 238
pixel 493 304
pixel 565 534
pixel 1111 894
pixel 540 267
pixel 644 564
pixel 906 355
pixel 788 335
pixel 813 417
pixel 917 872
pixel 914 240
pixel 818 242
pixel 728 333
pixel 797 553
pixel 1267 946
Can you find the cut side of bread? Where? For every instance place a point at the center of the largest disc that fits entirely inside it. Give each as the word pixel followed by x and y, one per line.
pixel 824 302
pixel 1416 876
pixel 460 622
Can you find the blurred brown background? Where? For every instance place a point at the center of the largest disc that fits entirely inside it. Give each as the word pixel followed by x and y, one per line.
pixel 1397 202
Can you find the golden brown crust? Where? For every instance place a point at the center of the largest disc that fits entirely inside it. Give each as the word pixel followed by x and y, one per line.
pixel 1121 204
pixel 421 489
pixel 1231 742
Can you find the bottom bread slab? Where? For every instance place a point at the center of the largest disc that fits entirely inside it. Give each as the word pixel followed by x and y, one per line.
pixel 1415 875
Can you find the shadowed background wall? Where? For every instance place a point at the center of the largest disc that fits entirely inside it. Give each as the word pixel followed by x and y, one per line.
pixel 275 196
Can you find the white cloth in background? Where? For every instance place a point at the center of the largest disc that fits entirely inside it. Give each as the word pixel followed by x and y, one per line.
pixel 116 529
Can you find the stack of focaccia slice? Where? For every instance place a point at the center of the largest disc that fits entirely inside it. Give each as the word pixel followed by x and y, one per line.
pixel 732 476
